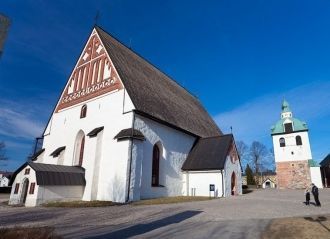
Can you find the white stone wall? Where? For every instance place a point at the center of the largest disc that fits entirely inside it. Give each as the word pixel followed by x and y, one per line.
pixel 175 146
pixel 59 193
pixel 31 199
pixel 198 183
pixel 316 176
pixel 231 167
pixel 105 159
pixel 291 151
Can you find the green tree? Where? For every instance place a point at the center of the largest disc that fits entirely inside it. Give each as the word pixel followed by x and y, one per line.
pixel 249 175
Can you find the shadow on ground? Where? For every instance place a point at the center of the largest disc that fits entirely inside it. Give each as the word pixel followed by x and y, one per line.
pixel 147 227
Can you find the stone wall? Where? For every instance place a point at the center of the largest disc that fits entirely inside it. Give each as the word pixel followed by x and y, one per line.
pixel 293 174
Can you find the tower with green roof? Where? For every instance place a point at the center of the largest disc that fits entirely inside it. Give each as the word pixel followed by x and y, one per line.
pixel 292 151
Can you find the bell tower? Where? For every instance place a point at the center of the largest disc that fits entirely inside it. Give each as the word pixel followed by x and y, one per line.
pixel 292 150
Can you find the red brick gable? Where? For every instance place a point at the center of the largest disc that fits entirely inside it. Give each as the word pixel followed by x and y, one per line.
pixel 94 75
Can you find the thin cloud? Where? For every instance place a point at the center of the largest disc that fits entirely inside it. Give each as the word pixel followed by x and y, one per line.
pixel 19 120
pixel 252 120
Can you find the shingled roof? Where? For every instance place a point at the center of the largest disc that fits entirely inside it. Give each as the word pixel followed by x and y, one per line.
pixel 208 154
pixel 156 94
pixel 51 174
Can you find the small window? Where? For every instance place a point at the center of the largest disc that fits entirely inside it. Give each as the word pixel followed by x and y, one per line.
pixel 282 142
pixel 155 167
pixel 27 171
pixel 32 186
pixel 288 127
pixel 16 188
pixel 298 140
pixel 83 111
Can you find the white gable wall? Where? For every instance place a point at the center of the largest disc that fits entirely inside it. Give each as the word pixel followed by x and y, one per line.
pixel 31 199
pixel 230 168
pixel 104 157
pixel 175 146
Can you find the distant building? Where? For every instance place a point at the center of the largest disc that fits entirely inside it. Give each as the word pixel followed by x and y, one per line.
pixel 295 167
pixel 325 171
pixel 267 179
pixel 5 178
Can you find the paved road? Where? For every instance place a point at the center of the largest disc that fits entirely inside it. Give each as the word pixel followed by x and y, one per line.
pixel 237 217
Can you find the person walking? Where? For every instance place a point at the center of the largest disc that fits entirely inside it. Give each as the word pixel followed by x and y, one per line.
pixel 308 196
pixel 315 192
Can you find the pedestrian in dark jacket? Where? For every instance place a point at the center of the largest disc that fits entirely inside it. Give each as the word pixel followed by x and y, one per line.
pixel 308 196
pixel 315 192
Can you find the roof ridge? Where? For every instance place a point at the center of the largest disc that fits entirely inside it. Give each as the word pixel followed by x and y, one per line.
pixel 146 60
pixel 217 136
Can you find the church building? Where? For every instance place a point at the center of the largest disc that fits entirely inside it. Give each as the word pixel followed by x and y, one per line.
pixel 295 167
pixel 123 131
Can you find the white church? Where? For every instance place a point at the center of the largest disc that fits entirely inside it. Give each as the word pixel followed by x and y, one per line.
pixel 123 131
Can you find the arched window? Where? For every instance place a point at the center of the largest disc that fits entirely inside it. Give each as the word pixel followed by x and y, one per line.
pixel 155 166
pixel 298 140
pixel 81 153
pixel 79 149
pixel 83 111
pixel 282 142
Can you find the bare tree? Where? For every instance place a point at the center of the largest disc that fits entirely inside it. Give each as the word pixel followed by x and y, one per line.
pixel 258 152
pixel 3 152
pixel 242 150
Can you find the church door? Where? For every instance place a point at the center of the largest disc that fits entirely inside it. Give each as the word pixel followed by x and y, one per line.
pixel 24 191
pixel 233 184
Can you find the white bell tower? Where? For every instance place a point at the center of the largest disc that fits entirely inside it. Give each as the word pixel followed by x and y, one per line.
pixel 293 156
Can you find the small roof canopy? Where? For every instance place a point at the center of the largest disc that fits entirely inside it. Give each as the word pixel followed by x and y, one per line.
pixel 130 133
pixel 57 151
pixel 51 174
pixel 95 131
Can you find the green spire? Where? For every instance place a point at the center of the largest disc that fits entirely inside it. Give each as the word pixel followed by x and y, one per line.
pixel 285 107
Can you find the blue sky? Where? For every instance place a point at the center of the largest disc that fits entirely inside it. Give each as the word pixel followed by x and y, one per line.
pixel 241 58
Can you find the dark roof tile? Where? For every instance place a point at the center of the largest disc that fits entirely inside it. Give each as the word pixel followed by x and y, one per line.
pixel 156 94
pixel 208 154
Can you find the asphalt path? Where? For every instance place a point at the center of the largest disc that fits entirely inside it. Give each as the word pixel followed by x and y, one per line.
pixel 240 217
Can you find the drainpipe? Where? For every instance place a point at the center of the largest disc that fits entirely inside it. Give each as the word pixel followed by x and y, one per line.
pixel 223 188
pixel 130 160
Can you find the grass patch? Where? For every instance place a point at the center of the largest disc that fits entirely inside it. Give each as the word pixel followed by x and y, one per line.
pixel 28 233
pixel 298 228
pixel 169 200
pixel 81 204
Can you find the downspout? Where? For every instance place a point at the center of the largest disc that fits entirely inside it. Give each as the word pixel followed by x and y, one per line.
pixel 223 188
pixel 130 160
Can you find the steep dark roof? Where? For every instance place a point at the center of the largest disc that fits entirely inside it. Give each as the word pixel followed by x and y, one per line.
pixel 326 161
pixel 154 93
pixel 51 174
pixel 208 154
pixel 130 133
pixel 95 131
pixel 57 151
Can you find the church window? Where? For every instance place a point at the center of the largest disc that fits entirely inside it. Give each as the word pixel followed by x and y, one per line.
pixel 298 140
pixel 155 167
pixel 32 186
pixel 79 149
pixel 83 111
pixel 81 153
pixel 282 142
pixel 27 171
pixel 16 188
pixel 288 127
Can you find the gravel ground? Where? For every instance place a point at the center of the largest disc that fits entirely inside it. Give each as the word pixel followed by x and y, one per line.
pixel 244 216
